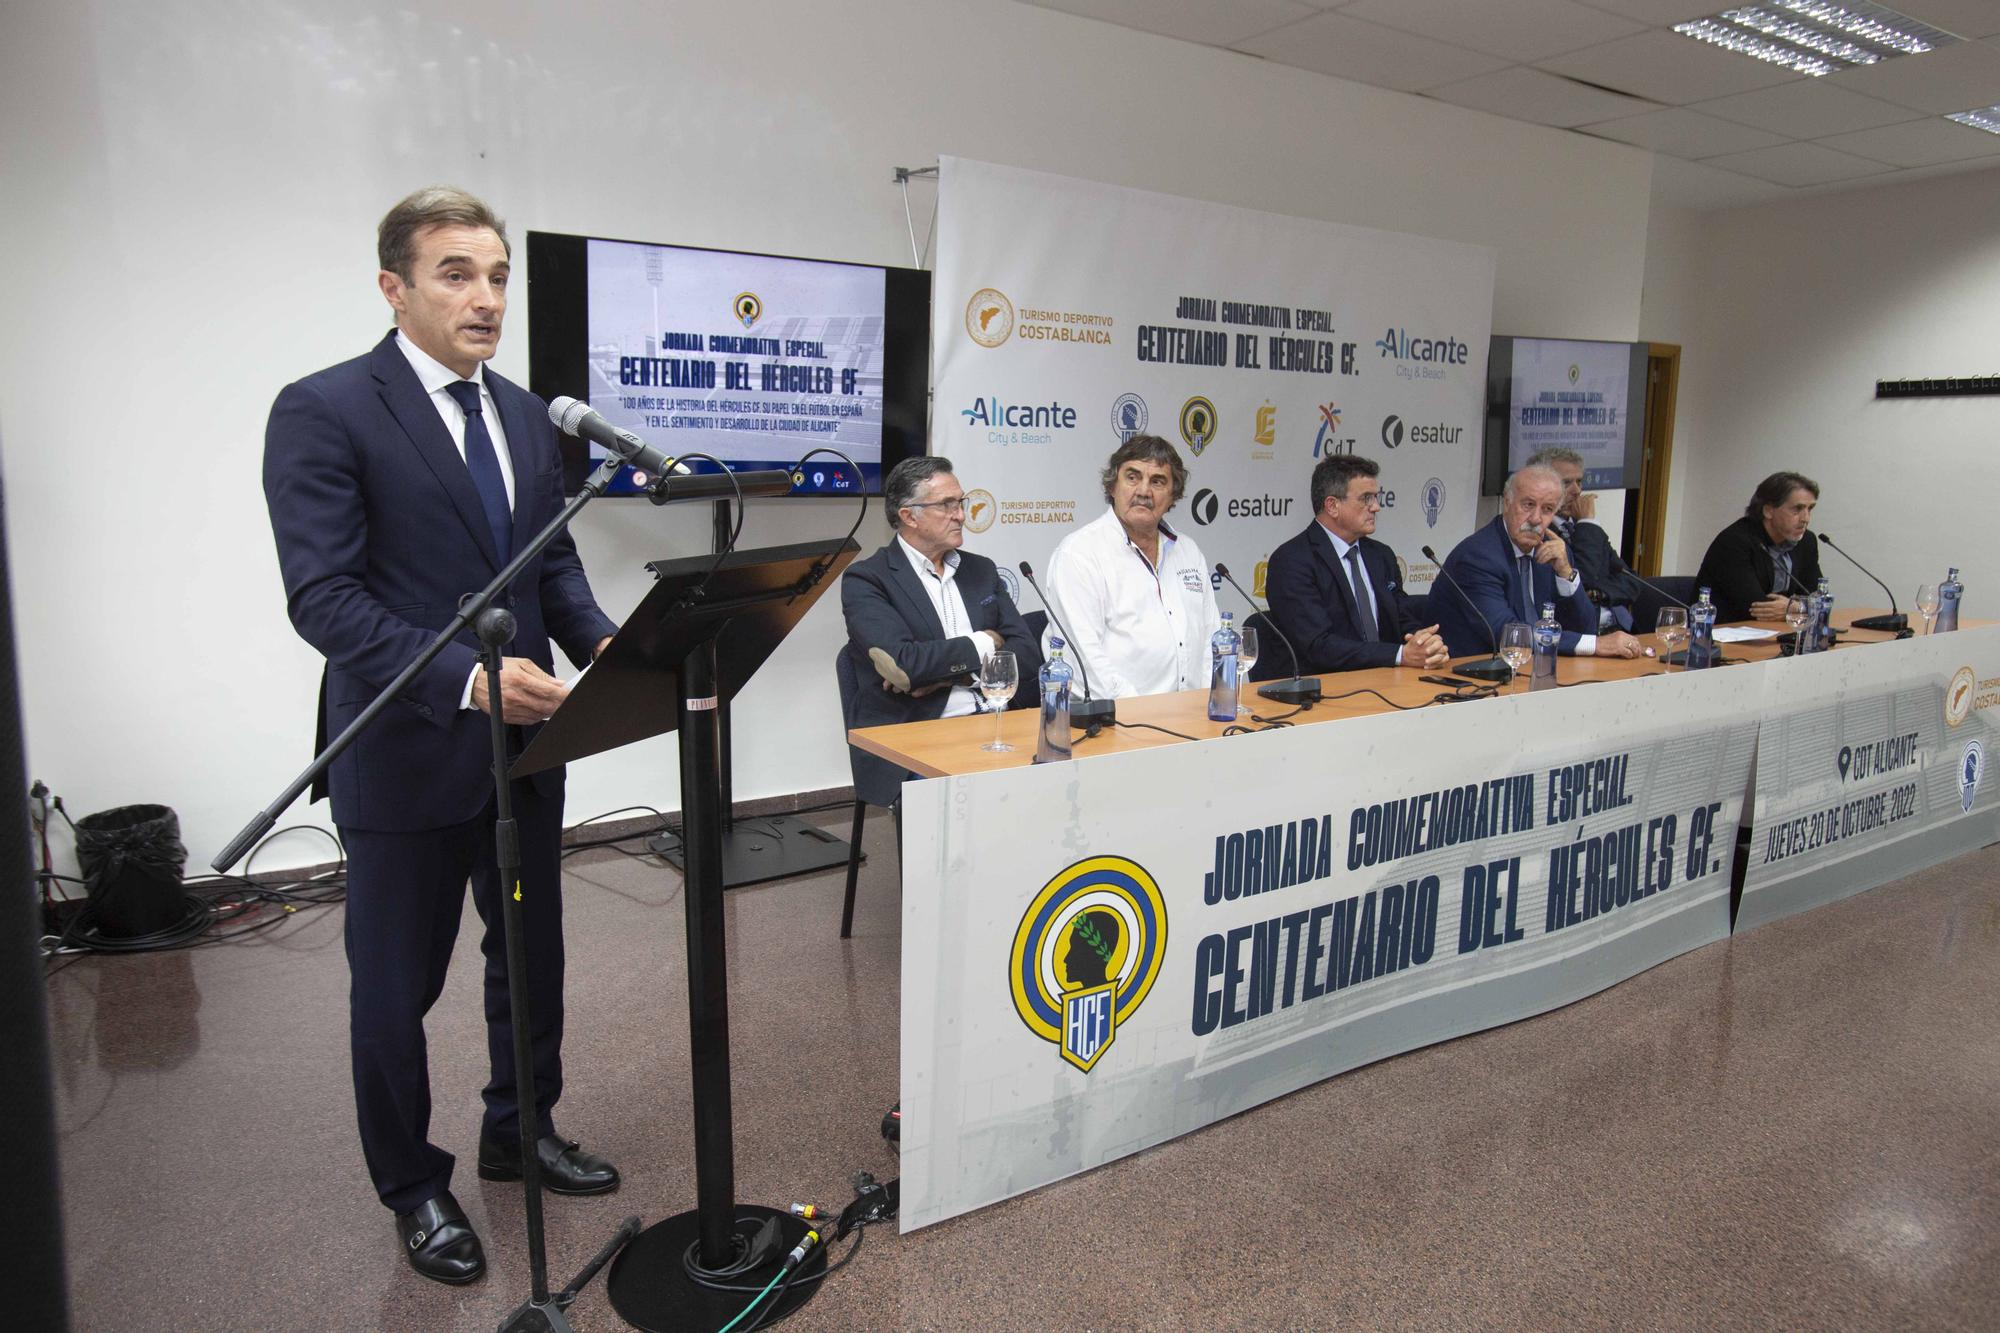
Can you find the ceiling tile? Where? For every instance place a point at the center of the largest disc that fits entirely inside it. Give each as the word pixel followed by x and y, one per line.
pixel 1702 187
pixel 1807 109
pixel 1351 48
pixel 1536 95
pixel 1919 143
pixel 1210 22
pixel 1951 78
pixel 1667 67
pixel 1516 29
pixel 1661 13
pixel 1798 164
pixel 1687 134
pixel 1966 18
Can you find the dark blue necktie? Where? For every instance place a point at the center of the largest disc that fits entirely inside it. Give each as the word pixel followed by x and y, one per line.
pixel 1527 568
pixel 484 465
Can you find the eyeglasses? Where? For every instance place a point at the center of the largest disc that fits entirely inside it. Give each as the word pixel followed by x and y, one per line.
pixel 1373 499
pixel 949 506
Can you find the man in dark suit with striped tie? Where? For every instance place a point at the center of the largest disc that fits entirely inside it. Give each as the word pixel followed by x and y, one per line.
pixel 1336 592
pixel 397 483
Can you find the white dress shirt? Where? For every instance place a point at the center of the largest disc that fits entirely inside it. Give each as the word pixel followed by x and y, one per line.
pixel 1137 629
pixel 435 375
pixel 1341 546
pixel 949 604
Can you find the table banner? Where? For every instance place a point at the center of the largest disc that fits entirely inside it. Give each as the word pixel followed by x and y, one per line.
pixel 1872 763
pixel 1101 955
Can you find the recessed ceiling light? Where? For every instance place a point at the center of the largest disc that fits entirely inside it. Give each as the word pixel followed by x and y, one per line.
pixel 1816 37
pixel 1980 118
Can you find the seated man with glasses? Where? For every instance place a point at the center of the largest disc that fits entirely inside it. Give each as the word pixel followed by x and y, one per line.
pixel 924 616
pixel 1336 592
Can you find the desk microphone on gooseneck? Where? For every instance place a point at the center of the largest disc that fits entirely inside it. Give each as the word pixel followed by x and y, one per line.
pixel 1494 668
pixel 1086 712
pixel 1895 620
pixel 1299 691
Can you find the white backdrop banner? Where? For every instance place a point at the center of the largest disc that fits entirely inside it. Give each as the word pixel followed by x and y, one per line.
pixel 1069 315
pixel 1872 763
pixel 1103 954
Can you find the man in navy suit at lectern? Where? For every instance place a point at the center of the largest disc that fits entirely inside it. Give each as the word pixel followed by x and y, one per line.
pixel 398 482
pixel 1510 568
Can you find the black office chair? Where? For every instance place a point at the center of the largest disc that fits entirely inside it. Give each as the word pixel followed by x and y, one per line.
pixel 1420 609
pixel 1274 660
pixel 850 687
pixel 1037 623
pixel 1646 610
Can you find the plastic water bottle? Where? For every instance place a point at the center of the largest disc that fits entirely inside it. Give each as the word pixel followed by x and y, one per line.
pixel 1052 741
pixel 1806 638
pixel 1824 620
pixel 1949 593
pixel 1701 633
pixel 1222 647
pixel 1548 640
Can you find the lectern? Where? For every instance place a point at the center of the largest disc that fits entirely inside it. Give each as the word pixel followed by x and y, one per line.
pixel 706 626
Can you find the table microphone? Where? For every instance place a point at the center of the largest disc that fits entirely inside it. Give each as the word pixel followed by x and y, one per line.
pixel 1299 691
pixel 1895 620
pixel 1494 669
pixel 1085 712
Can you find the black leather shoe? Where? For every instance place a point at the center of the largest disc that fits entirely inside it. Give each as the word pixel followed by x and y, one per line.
pixel 566 1168
pixel 440 1243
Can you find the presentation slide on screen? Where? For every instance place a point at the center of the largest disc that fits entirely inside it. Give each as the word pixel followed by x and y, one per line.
pixel 753 359
pixel 1571 394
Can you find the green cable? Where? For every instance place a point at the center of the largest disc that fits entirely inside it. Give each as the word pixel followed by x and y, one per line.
pixel 754 1302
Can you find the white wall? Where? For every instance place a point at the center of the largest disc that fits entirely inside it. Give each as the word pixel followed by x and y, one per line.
pixel 1789 312
pixel 192 191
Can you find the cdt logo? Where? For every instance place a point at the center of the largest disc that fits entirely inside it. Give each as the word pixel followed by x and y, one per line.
pixel 1086 954
pixel 989 317
pixel 1128 416
pixel 1329 440
pixel 979 510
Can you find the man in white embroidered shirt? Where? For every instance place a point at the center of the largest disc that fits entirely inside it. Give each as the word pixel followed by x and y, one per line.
pixel 1134 593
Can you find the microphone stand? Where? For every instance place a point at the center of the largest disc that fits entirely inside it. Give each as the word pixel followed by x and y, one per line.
pixel 542 1312
pixel 1494 670
pixel 1089 712
pixel 1895 620
pixel 1299 691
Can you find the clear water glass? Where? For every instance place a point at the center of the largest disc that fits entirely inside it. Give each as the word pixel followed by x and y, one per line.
pixel 998 680
pixel 1927 604
pixel 1672 629
pixel 1517 646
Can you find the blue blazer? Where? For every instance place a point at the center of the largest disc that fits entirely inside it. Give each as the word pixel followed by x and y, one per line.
pixel 886 607
pixel 1483 564
pixel 379 533
pixel 1312 600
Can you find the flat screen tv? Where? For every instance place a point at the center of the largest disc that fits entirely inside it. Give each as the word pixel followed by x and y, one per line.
pixel 1583 395
pixel 755 359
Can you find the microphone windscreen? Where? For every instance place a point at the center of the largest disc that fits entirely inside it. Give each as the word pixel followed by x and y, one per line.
pixel 1030 573
pixel 567 414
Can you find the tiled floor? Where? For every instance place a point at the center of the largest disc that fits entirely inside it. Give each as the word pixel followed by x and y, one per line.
pixel 1799 1128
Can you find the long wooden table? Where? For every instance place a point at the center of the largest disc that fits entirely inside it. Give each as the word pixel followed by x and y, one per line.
pixel 953 745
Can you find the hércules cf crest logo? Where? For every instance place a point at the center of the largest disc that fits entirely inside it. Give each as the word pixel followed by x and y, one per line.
pixel 1087 952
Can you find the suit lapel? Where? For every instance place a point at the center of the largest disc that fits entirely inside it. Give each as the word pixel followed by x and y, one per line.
pixel 1389 625
pixel 403 394
pixel 917 608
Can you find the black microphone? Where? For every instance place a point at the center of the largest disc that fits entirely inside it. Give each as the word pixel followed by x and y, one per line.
pixel 1299 691
pixel 1895 620
pixel 1494 669
pixel 1085 712
pixel 585 423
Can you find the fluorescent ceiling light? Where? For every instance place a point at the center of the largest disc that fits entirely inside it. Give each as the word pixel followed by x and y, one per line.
pixel 1816 37
pixel 1980 118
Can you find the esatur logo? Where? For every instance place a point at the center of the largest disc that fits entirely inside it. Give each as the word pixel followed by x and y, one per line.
pixel 1206 506
pixel 1396 431
pixel 1392 431
pixel 989 317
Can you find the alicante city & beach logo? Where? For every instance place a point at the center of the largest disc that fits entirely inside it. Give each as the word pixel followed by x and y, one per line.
pixel 1087 953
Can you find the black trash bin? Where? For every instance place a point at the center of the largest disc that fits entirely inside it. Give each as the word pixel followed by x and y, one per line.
pixel 132 859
